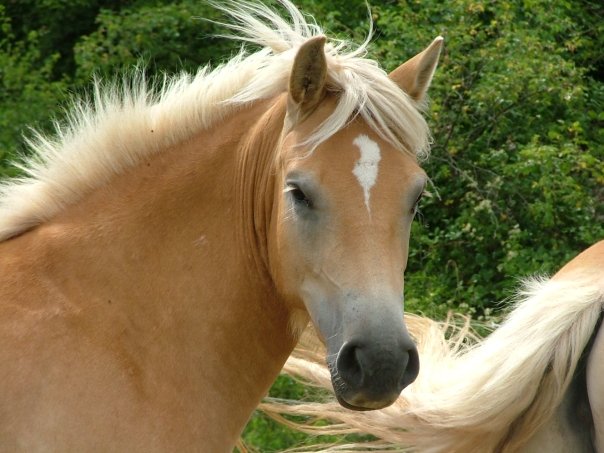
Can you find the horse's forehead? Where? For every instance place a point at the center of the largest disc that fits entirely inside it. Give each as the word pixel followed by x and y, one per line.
pixel 358 153
pixel 359 169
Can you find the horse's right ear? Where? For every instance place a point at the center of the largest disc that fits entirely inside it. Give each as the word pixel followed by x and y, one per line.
pixel 307 79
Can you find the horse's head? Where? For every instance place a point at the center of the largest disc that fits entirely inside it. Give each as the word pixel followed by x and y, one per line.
pixel 343 218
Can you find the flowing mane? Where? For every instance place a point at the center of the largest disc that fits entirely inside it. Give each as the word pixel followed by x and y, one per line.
pixel 123 123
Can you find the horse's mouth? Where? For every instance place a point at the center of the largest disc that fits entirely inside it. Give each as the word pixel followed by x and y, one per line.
pixel 365 407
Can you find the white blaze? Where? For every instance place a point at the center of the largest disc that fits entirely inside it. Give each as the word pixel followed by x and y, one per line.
pixel 366 168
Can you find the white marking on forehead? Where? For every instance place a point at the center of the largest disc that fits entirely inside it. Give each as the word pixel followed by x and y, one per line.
pixel 366 168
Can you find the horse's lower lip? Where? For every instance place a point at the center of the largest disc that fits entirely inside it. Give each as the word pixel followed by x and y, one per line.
pixel 345 404
pixel 354 407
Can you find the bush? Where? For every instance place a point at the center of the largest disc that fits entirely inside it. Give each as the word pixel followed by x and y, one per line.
pixel 517 161
pixel 27 93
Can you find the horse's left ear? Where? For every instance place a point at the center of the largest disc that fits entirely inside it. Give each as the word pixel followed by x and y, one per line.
pixel 307 79
pixel 414 76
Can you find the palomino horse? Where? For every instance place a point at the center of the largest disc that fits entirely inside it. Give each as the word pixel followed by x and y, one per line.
pixel 534 385
pixel 162 254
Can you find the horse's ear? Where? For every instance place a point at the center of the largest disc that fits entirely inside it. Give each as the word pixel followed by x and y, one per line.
pixel 307 79
pixel 414 76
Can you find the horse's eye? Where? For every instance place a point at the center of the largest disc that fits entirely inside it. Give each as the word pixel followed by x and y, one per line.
pixel 298 195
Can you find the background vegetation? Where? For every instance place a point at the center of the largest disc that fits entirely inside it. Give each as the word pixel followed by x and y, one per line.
pixel 517 113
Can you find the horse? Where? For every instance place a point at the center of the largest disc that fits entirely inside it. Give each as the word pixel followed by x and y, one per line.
pixel 533 385
pixel 162 253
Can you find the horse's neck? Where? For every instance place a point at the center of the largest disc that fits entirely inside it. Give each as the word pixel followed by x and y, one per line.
pixel 155 262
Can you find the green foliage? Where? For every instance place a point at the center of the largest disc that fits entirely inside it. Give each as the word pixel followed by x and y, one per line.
pixel 518 154
pixel 264 432
pixel 27 93
pixel 168 37
pixel 60 22
pixel 517 112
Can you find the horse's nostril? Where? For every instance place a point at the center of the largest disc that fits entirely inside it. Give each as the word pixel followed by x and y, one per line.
pixel 350 365
pixel 376 372
pixel 412 368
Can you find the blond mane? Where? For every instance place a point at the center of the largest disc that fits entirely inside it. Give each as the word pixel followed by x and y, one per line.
pixel 121 124
pixel 470 397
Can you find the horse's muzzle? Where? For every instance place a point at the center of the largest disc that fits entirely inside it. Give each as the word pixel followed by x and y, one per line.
pixel 369 376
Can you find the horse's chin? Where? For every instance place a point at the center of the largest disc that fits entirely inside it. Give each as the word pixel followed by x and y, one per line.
pixel 360 408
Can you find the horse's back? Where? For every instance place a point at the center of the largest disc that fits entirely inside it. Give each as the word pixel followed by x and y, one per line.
pixel 590 261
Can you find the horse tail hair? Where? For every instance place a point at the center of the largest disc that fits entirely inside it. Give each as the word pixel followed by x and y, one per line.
pixel 471 395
